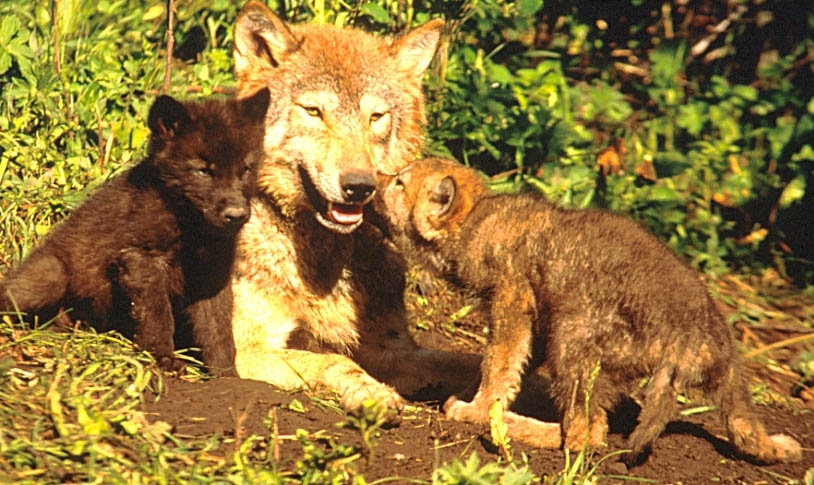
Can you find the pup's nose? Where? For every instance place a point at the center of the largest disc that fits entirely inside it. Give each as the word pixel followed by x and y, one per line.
pixel 236 215
pixel 357 186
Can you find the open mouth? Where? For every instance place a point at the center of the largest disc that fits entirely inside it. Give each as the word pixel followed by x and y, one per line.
pixel 346 214
pixel 338 217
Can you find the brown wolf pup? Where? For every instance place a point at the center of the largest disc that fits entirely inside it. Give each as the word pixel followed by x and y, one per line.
pixel 574 288
pixel 318 293
pixel 145 253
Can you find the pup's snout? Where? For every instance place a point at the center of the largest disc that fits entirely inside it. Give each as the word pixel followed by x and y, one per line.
pixel 357 186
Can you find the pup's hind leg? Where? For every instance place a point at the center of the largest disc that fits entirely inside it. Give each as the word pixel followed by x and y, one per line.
pixel 745 430
pixel 573 353
pixel 36 287
pixel 583 424
pixel 659 407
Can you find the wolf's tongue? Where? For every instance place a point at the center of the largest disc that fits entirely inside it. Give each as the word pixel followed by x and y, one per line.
pixel 345 213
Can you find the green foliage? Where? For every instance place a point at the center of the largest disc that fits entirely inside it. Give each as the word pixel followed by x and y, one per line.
pixel 529 92
pixel 71 411
pixel 537 101
pixel 333 465
pixel 472 471
pixel 369 421
pixel 75 86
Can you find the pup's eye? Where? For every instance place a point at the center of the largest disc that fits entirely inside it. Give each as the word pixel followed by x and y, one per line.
pixel 313 111
pixel 399 183
pixel 208 168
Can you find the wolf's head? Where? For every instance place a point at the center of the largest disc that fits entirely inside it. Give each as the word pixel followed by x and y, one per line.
pixel 347 106
pixel 205 156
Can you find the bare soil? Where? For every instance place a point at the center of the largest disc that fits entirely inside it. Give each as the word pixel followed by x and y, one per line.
pixel 693 450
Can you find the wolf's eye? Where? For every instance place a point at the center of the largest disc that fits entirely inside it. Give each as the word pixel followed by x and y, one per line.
pixel 313 111
pixel 399 183
pixel 376 117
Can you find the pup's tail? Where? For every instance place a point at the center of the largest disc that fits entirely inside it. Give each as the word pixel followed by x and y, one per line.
pixel 35 288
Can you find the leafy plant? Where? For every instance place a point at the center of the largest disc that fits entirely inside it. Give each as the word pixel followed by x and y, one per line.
pixel 369 421
pixel 472 471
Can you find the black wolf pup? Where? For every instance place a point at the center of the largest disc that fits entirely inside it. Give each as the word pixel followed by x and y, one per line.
pixel 148 251
pixel 571 288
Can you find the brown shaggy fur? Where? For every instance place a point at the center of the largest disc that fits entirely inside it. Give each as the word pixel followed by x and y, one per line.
pixel 318 293
pixel 574 289
pixel 146 252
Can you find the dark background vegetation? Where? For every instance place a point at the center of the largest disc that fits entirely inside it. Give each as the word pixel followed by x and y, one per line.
pixel 694 117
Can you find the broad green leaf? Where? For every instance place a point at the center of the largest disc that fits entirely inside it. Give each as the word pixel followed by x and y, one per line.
pixel 793 192
pixel 9 28
pixel 746 92
pixel 154 12
pixel 692 117
pixel 663 193
pixel 376 12
pixel 806 154
pixel 529 7
pixel 499 73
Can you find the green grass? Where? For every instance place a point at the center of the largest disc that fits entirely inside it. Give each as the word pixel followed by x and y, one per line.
pixel 70 412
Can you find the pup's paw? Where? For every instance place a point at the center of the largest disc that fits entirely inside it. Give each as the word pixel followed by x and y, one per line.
pixel 465 411
pixel 785 449
pixel 581 434
pixel 171 364
pixel 541 434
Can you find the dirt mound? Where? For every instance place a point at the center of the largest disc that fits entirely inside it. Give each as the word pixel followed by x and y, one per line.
pixel 691 451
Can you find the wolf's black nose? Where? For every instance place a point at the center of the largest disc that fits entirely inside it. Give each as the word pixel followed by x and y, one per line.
pixel 357 186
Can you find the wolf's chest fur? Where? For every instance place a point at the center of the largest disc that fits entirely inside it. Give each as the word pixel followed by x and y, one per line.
pixel 303 286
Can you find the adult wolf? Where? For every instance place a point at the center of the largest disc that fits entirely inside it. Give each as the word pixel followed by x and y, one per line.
pixel 318 292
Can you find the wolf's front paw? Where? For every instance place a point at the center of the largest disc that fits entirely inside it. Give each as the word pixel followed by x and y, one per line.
pixel 386 401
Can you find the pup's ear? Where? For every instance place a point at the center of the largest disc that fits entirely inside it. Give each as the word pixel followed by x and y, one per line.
pixel 415 49
pixel 443 195
pixel 262 39
pixel 168 118
pixel 254 108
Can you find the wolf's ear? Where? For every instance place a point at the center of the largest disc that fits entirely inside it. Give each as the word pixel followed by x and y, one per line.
pixel 254 108
pixel 415 49
pixel 444 195
pixel 261 38
pixel 168 118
